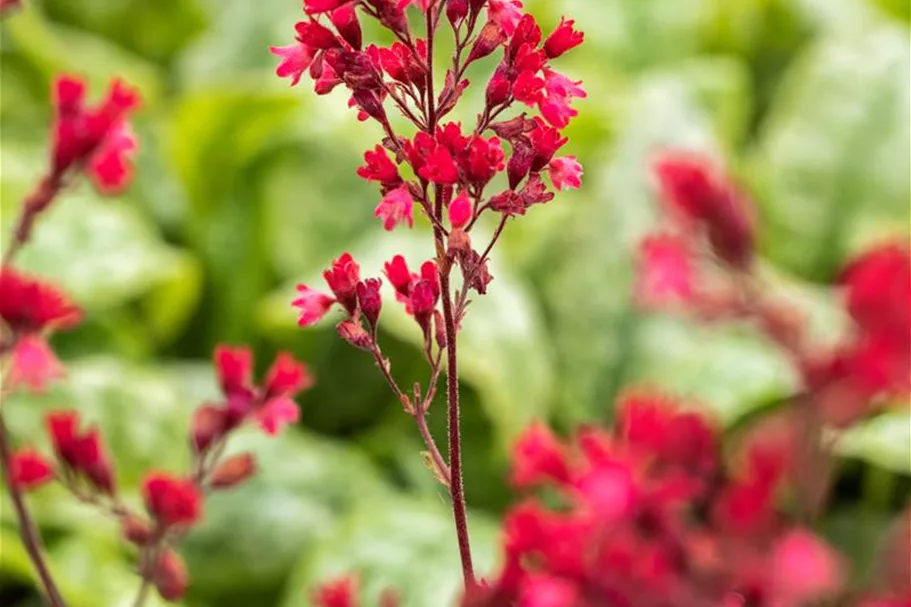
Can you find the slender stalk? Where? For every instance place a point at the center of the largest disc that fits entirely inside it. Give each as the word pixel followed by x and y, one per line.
pixel 31 538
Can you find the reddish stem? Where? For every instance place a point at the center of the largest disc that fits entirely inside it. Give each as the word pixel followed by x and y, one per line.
pixel 31 538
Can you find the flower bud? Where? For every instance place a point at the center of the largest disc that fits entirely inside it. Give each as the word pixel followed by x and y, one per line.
pixel 207 427
pixel 352 332
pixel 487 41
pixel 170 576
pixel 456 10
pixel 233 471
pixel 370 300
pixel 136 530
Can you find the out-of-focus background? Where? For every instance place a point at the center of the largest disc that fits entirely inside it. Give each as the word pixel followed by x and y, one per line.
pixel 245 186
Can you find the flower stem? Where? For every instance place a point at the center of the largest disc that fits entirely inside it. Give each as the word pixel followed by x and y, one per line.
pixel 31 538
pixel 457 490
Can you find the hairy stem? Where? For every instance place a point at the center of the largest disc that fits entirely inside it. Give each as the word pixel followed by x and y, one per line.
pixel 31 538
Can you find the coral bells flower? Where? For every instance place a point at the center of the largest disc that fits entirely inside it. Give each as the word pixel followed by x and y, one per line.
pixel 337 593
pixel 878 290
pixel 379 168
pixel 804 570
pixel 82 453
pixel 30 305
pixel 666 273
pixel 700 196
pixel 295 59
pixel 506 14
pixel 555 104
pixel 98 137
pixel 563 39
pixel 395 208
pixel 566 173
pixel 342 278
pixel 29 469
pixel 171 501
pixel 312 304
pixel 460 211
pixel 270 404
pixel 33 364
pixel 538 457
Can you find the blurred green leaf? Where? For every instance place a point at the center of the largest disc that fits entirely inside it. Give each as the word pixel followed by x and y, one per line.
pixel 162 29
pixel 832 161
pixel 882 441
pixel 252 536
pixel 503 347
pixel 404 545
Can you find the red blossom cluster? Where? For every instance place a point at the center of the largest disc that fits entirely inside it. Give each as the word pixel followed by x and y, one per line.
pixel 647 515
pixel 702 261
pixel 173 503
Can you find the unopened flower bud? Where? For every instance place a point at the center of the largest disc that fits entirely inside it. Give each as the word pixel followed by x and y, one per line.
pixel 136 530
pixel 352 332
pixel 370 300
pixel 440 326
pixel 170 576
pixel 456 10
pixel 487 42
pixel 233 471
pixel 208 426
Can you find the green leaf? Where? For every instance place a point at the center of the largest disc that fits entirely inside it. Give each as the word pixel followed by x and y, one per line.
pixel 882 441
pixel 215 141
pixel 405 545
pixel 252 535
pixel 833 156
pixel 503 345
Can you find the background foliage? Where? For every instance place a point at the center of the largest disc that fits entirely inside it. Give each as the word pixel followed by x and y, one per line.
pixel 245 186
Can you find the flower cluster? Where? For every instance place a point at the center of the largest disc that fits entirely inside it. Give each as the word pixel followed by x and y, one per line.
pixel 702 262
pixel 173 503
pixel 31 309
pixel 648 515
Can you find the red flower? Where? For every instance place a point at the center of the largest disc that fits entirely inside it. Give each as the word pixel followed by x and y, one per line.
pixel 172 501
pixel 484 160
pixel 82 452
pixel 559 93
pixel 369 299
pixel 315 36
pixel 566 173
pixel 803 570
pixel 542 590
pixel 286 377
pixel 460 211
pixel 439 167
pixel 33 364
pixel 277 413
pixel 313 305
pixel 396 207
pixel 29 470
pixel 337 593
pixel 98 137
pixel 295 59
pixel 563 39
pixel 878 289
pixel 528 88
pixel 342 278
pixel 665 271
pixel 538 458
pixel 506 14
pixel 399 275
pixel 380 168
pixel 27 304
pixel 234 367
pixel 691 187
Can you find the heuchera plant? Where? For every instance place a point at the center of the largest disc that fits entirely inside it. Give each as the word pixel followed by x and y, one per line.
pixel 95 141
pixel 653 511
pixel 447 171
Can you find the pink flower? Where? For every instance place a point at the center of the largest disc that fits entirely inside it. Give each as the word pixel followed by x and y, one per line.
pixel 276 413
pixel 665 271
pixel 528 88
pixel 460 211
pixel 559 93
pixel 234 367
pixel 295 59
pixel 542 590
pixel 30 470
pixel 97 137
pixel 804 570
pixel 566 173
pixel 563 39
pixel 395 208
pixel 286 377
pixel 172 501
pixel 31 305
pixel 538 457
pixel 506 14
pixel 312 305
pixel 342 278
pixel 379 167
pixel 33 364
pixel 337 593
